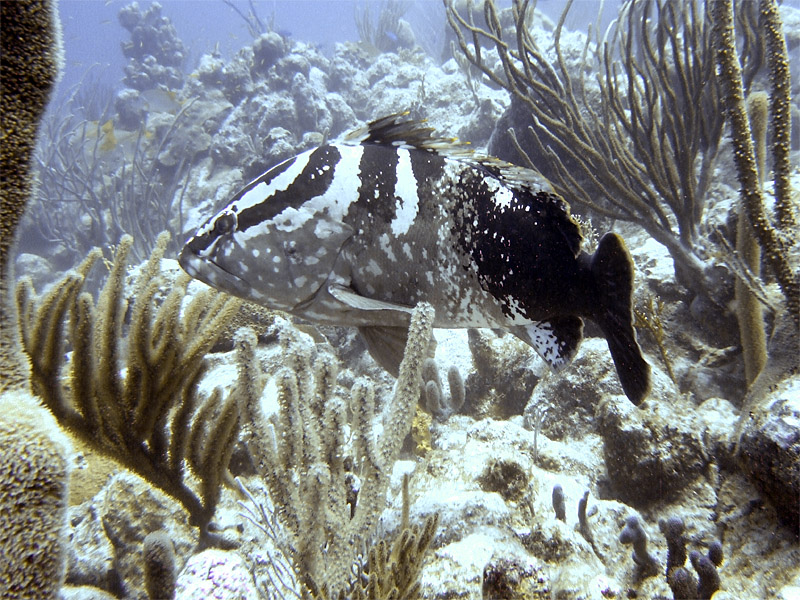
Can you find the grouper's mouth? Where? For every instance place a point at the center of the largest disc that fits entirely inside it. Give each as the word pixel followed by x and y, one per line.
pixel 212 274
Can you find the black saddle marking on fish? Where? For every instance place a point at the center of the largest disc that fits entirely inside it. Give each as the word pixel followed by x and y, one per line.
pixel 315 178
pixel 525 252
pixel 378 174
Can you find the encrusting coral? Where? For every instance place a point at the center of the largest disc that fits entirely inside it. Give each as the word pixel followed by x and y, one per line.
pixel 147 416
pixel 301 452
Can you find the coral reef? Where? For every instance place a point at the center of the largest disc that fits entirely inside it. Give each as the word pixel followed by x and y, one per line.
pixel 155 52
pixel 765 232
pixel 437 403
pixel 769 447
pixel 649 456
pixel 170 146
pixel 558 503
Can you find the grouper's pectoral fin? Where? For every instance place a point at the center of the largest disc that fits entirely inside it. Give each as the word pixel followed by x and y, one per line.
pixel 357 302
pixel 555 340
pixel 386 343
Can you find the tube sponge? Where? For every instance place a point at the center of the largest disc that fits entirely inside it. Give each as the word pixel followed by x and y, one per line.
pixel 634 534
pixel 159 565
pixel 34 480
pixel 558 503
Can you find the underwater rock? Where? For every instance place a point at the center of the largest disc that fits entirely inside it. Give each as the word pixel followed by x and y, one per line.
pixel 183 145
pixel 213 75
pixel 405 35
pixel 215 575
pixel 209 112
pixel 38 268
pixel 463 512
pixel 279 144
pixel 84 592
pixel 237 82
pixel 309 100
pixel 90 557
pixel 769 449
pixel 347 72
pixel 576 580
pixel 510 579
pixel 342 116
pixel 503 379
pixel 285 70
pixel 129 509
pixel 267 49
pixel 129 108
pixel 505 477
pixel 155 52
pixel 574 393
pixel 719 423
pixel 651 454
pixel 209 70
pixel 230 146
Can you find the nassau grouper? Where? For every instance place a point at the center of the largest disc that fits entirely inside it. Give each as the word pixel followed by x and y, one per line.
pixel 359 231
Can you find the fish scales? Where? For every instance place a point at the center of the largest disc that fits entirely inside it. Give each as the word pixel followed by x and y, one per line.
pixel 358 231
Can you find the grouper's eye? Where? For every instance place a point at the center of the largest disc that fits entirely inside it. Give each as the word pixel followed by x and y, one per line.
pixel 224 224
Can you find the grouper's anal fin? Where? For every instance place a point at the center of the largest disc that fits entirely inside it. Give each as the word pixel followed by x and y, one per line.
pixel 612 268
pixel 555 340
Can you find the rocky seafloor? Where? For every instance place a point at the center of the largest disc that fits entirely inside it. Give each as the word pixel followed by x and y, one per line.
pixel 489 469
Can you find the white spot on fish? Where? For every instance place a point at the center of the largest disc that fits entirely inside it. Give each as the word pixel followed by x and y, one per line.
pixel 373 268
pixel 406 191
pixel 387 247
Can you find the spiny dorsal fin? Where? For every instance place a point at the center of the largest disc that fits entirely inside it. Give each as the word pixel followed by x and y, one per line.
pixel 400 131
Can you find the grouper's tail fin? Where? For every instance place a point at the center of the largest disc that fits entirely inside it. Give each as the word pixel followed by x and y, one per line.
pixel 612 268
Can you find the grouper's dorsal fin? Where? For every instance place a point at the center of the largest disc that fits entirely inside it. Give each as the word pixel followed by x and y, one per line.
pixel 400 131
pixel 515 176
